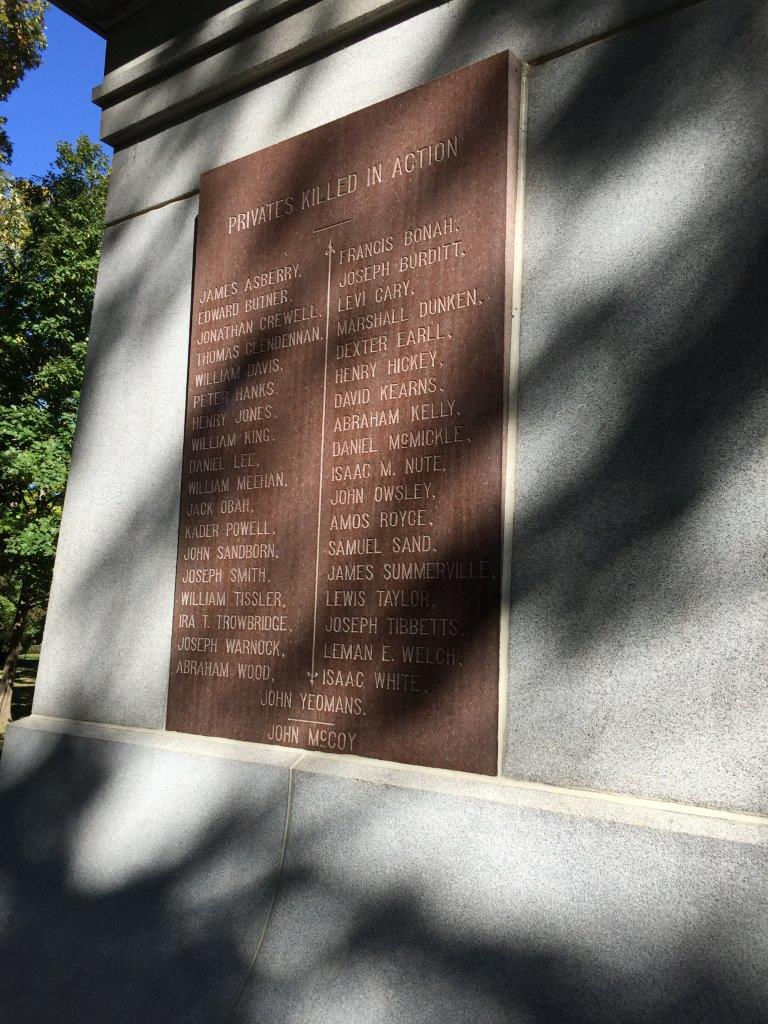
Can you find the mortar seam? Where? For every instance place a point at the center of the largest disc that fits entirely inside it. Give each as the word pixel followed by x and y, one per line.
pixel 275 892
pixel 628 26
pixel 150 209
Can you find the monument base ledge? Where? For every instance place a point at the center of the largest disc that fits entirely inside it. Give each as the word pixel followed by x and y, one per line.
pixel 625 809
pixel 206 878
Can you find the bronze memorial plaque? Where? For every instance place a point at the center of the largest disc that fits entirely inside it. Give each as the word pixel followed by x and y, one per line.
pixel 339 568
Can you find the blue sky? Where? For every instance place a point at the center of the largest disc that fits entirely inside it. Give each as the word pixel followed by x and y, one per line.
pixel 54 101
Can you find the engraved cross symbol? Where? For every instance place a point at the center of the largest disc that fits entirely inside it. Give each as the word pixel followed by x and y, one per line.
pixel 330 250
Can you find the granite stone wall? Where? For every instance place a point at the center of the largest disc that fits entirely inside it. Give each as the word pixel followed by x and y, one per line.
pixel 154 877
pixel 637 628
pixel 638 639
pixel 616 871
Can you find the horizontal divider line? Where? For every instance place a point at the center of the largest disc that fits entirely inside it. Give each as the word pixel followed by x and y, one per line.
pixel 148 209
pixel 611 33
pixel 173 740
pixel 336 224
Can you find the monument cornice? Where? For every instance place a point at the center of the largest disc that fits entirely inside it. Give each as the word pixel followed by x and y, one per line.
pixel 222 55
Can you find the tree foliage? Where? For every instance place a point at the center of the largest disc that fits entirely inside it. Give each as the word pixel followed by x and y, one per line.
pixel 22 41
pixel 50 238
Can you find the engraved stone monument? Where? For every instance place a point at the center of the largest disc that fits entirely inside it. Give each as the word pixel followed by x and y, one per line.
pixel 322 732
pixel 340 538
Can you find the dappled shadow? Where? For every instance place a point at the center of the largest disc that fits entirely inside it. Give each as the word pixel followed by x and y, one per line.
pixel 397 964
pixel 434 38
pixel 635 617
pixel 122 897
pixel 642 421
pixel 639 427
pixel 414 907
pixel 123 905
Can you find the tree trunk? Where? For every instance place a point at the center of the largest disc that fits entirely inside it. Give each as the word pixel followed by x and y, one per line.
pixel 14 650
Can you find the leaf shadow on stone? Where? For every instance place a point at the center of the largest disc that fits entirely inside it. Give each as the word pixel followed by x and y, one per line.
pixel 373 920
pixel 689 393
